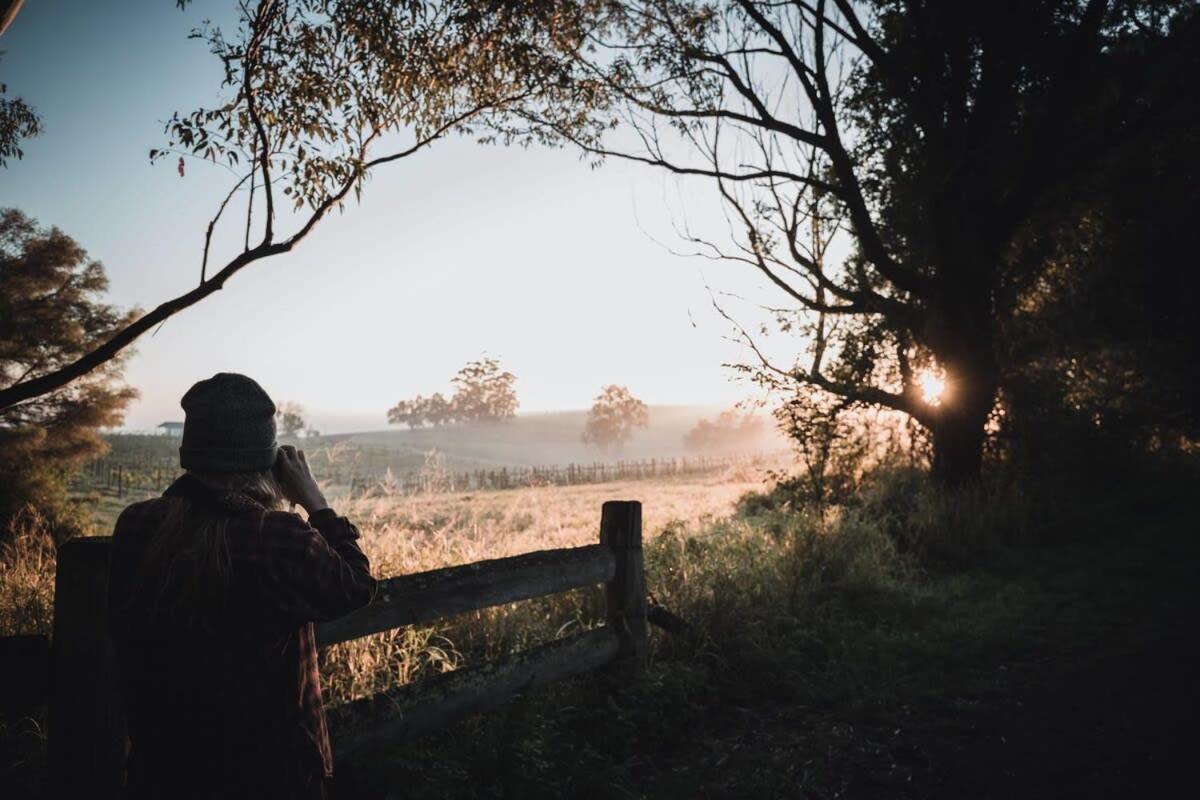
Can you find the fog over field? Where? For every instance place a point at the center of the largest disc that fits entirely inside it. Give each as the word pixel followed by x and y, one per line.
pixel 554 438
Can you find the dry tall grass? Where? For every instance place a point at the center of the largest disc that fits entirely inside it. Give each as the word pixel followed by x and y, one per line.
pixel 703 559
pixel 403 534
pixel 27 578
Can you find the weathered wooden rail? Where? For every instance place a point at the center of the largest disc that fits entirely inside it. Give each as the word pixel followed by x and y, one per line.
pixel 86 737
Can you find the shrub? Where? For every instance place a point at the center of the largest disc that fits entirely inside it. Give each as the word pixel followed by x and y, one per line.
pixel 939 525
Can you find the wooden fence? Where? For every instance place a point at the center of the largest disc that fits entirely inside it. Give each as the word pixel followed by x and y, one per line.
pixel 86 741
pixel 374 470
pixel 121 476
pixel 377 476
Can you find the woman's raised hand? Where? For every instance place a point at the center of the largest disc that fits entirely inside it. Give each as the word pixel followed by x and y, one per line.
pixel 296 480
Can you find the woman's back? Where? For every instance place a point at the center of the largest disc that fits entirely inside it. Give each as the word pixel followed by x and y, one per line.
pixel 212 596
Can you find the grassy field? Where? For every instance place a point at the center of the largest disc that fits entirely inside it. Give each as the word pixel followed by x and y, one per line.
pixel 915 643
pixel 859 656
pixel 405 534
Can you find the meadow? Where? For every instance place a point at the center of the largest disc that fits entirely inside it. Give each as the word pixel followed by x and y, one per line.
pixel 913 642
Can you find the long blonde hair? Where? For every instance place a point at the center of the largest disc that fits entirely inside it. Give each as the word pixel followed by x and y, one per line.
pixel 187 565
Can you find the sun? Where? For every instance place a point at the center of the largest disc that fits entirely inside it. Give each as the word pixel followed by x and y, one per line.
pixel 933 386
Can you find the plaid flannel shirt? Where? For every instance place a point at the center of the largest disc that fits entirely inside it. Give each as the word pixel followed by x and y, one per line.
pixel 224 698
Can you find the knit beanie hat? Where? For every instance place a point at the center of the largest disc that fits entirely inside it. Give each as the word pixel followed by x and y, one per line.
pixel 229 426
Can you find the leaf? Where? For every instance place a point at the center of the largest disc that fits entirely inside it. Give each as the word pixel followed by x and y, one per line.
pixel 181 166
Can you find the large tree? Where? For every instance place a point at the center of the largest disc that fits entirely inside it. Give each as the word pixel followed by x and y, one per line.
pixel 319 95
pixel 51 311
pixel 932 135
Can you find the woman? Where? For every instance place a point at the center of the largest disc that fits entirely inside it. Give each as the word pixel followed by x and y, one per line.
pixel 213 592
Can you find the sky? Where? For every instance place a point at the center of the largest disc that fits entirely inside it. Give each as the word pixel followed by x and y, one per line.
pixel 568 274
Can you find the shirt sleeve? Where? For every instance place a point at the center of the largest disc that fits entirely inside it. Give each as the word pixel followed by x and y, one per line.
pixel 313 571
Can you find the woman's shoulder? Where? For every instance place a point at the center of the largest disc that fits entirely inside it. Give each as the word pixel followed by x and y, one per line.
pixel 271 539
pixel 140 516
pixel 273 529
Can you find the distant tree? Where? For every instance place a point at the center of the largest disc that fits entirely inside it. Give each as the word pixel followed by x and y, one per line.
pixel 317 96
pixel 406 412
pixel 729 430
pixel 483 392
pixel 614 416
pixel 434 410
pixel 289 418
pixel 51 312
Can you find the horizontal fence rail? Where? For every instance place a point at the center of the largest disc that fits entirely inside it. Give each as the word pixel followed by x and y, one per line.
pixel 426 596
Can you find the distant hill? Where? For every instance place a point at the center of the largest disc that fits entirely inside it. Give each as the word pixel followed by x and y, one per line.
pixel 548 438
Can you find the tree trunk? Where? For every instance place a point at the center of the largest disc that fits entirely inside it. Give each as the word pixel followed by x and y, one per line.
pixel 959 430
pixel 957 450
pixel 964 347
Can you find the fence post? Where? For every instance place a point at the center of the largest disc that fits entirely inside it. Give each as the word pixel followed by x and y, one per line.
pixel 625 594
pixel 86 744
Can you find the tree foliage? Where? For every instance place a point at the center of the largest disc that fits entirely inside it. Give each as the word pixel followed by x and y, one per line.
pixel 1104 343
pixel 483 392
pixel 434 410
pixel 51 310
pixel 614 416
pixel 18 120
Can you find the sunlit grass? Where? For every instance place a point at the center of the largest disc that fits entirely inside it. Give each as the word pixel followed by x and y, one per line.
pixel 403 534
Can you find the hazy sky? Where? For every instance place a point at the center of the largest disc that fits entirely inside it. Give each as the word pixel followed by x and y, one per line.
pixel 559 270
